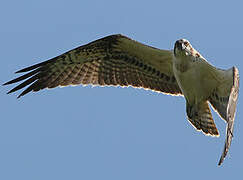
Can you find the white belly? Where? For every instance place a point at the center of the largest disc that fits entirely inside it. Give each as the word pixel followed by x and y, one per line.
pixel 194 83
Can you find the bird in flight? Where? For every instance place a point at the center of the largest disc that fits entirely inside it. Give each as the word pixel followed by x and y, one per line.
pixel 117 60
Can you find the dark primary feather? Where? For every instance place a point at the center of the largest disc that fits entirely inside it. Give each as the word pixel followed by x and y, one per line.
pixel 113 60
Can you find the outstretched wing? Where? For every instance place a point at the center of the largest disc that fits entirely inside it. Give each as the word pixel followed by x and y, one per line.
pixel 224 99
pixel 113 60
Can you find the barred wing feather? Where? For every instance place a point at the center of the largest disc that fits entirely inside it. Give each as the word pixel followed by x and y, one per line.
pixel 113 60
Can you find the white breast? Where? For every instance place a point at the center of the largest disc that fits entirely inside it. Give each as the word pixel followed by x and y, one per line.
pixel 193 79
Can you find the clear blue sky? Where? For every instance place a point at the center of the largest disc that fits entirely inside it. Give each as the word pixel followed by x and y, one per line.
pixel 112 133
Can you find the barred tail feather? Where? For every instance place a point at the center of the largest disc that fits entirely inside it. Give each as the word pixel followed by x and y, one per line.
pixel 201 118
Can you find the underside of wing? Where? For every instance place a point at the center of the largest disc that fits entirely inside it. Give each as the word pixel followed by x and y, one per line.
pixel 224 100
pixel 113 60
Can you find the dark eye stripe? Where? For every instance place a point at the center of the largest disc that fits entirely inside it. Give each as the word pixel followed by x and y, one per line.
pixel 186 43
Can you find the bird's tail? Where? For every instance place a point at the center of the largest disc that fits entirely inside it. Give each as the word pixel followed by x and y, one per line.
pixel 199 115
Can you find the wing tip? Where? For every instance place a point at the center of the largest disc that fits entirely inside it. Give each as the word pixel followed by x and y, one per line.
pixel 19 96
pixel 20 71
pixel 9 82
pixel 221 161
pixel 4 84
pixel 223 156
pixel 227 144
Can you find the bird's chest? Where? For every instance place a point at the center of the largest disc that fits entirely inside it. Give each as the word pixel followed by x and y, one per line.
pixel 190 80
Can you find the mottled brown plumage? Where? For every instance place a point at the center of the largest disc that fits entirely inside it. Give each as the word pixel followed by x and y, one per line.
pixel 119 61
pixel 114 60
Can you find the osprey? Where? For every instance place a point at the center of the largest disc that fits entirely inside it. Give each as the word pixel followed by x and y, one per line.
pixel 117 60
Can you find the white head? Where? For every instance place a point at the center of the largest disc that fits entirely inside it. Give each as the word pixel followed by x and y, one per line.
pixel 184 48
